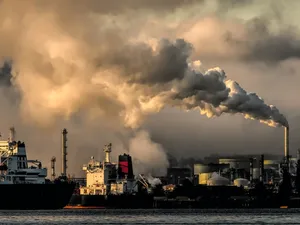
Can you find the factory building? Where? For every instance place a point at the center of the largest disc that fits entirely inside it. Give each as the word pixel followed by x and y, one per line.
pixel 240 170
pixel 176 175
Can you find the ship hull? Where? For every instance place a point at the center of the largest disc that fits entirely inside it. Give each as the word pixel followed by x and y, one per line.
pixel 35 196
pixel 112 201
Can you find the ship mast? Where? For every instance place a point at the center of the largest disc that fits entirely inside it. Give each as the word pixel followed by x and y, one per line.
pixel 107 150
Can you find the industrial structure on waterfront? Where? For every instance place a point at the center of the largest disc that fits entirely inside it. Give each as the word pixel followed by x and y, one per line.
pixel 23 182
pixel 223 181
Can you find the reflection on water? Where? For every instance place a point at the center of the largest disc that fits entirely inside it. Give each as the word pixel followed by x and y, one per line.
pixel 184 216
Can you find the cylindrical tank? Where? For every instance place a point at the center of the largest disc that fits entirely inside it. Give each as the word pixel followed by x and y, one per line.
pixel 241 182
pixel 217 180
pixel 272 164
pixel 203 178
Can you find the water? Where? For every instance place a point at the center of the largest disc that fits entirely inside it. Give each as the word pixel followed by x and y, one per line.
pixel 184 216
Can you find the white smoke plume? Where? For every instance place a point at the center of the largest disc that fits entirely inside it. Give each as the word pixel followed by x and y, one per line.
pixel 148 156
pixel 213 95
pixel 153 181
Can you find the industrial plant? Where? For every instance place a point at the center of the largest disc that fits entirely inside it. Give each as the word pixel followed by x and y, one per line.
pixel 240 181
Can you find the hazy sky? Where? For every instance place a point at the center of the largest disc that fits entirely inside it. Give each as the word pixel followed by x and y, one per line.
pixel 87 65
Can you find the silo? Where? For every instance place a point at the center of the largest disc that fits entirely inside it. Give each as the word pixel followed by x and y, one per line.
pixel 241 182
pixel 217 180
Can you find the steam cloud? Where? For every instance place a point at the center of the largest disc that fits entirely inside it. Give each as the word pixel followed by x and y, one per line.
pixel 149 157
pixel 153 181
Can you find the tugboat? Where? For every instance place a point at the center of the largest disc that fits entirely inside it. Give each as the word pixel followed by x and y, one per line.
pixel 109 185
pixel 23 182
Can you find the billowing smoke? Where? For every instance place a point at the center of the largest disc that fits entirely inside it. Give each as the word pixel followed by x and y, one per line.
pixel 148 157
pixel 93 62
pixel 213 95
pixel 153 181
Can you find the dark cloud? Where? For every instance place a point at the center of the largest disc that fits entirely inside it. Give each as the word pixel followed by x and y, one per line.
pixel 264 45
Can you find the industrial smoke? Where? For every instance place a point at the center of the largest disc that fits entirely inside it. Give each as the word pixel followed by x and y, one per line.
pixel 81 61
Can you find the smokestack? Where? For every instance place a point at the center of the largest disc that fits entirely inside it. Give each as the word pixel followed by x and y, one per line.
pixel 12 133
pixel 286 145
pixel 298 154
pixel 64 152
pixel 53 160
pixel 262 169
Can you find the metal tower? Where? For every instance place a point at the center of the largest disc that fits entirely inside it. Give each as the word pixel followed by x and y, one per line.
pixel 64 152
pixel 53 160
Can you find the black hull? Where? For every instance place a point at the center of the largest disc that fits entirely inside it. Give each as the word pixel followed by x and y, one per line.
pixel 148 201
pixel 113 201
pixel 35 196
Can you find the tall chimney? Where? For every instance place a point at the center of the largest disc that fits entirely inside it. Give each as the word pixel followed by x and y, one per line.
pixel 286 145
pixel 298 154
pixel 64 152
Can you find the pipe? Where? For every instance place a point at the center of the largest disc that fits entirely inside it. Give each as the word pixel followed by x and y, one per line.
pixel 262 169
pixel 251 170
pixel 64 152
pixel 53 160
pixel 286 144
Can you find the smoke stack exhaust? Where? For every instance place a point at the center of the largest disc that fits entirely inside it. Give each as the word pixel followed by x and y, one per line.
pixel 64 152
pixel 12 133
pixel 286 144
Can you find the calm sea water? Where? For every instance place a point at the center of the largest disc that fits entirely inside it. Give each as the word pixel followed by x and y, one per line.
pixel 184 216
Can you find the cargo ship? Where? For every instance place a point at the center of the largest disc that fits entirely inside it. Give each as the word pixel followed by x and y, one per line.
pixel 110 185
pixel 23 182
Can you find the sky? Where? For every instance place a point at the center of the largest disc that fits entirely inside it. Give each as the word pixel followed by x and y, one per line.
pixel 135 73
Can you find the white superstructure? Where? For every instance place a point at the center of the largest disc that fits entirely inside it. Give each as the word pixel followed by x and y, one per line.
pixel 15 167
pixel 102 178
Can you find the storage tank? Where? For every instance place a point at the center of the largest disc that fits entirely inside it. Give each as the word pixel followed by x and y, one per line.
pixel 241 182
pixel 272 164
pixel 204 177
pixel 217 180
